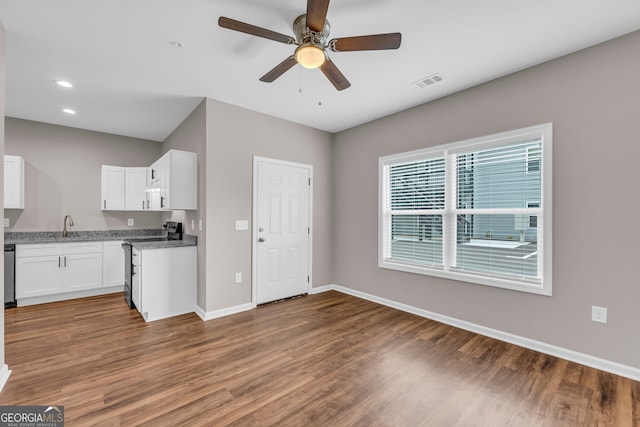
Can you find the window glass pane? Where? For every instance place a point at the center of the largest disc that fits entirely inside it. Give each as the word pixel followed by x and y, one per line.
pixel 499 244
pixel 417 185
pixel 499 177
pixel 417 239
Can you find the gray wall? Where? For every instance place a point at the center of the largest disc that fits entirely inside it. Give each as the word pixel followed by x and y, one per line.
pixel 63 176
pixel 592 99
pixel 234 136
pixel 191 136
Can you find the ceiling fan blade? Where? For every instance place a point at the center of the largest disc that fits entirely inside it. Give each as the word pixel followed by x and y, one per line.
pixel 243 27
pixel 372 42
pixel 334 75
pixel 317 14
pixel 279 70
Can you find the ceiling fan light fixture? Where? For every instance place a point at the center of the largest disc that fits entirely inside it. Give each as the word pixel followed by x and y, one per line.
pixel 310 56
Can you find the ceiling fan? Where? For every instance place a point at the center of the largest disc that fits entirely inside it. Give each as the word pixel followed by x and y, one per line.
pixel 312 31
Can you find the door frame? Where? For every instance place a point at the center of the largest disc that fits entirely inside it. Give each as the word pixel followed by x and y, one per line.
pixel 254 221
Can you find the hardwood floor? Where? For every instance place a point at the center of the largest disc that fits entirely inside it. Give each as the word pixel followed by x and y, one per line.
pixel 326 359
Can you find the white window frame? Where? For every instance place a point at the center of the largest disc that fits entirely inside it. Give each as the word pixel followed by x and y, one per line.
pixel 542 285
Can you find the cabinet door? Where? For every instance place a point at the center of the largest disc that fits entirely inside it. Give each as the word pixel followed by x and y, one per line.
pixel 112 264
pixel 37 276
pixel 81 271
pixel 182 180
pixel 13 182
pixel 112 188
pixel 157 191
pixel 135 184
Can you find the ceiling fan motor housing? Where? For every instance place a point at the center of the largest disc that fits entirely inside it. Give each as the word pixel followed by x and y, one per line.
pixel 305 36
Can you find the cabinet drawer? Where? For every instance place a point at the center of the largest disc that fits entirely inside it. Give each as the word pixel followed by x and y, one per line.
pixel 38 249
pixel 81 247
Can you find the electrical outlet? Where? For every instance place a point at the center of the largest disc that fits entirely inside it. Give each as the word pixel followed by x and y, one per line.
pixel 130 221
pixel 238 277
pixel 599 314
pixel 193 224
pixel 7 223
pixel 200 225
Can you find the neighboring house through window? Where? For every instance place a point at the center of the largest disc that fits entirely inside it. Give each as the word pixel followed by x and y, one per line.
pixel 477 210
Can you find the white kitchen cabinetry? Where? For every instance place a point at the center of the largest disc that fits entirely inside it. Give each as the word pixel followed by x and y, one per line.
pixel 173 181
pixel 164 283
pixel 13 182
pixel 113 188
pixel 112 263
pixel 52 268
pixel 135 182
pixel 123 188
pixel 156 185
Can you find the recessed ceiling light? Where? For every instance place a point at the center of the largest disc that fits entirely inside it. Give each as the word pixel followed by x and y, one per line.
pixel 68 111
pixel 63 83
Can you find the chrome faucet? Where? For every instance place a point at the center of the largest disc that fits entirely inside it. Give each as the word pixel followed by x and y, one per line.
pixel 64 229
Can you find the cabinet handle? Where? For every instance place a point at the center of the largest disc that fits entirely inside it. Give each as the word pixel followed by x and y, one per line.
pixel 104 204
pixel 65 261
pixel 143 205
pixel 153 174
pixel 59 262
pixel 148 205
pixel 161 202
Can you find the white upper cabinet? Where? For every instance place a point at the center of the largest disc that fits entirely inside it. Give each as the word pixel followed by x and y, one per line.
pixel 135 182
pixel 169 183
pixel 123 188
pixel 113 188
pixel 173 181
pixel 13 182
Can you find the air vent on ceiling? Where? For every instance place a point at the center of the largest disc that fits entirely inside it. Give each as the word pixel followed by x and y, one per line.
pixel 429 81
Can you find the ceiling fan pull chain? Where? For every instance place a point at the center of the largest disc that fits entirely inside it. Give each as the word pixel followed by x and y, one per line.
pixel 300 80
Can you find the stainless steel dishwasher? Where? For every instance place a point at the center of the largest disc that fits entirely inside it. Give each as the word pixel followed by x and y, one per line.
pixel 9 275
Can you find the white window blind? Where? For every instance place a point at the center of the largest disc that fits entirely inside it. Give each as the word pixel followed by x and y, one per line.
pixel 479 211
pixel 414 211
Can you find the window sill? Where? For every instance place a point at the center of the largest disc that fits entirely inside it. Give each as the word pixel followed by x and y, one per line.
pixel 514 284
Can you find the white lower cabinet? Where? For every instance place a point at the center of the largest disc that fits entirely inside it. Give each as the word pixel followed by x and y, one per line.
pixel 112 263
pixel 36 276
pixel 164 283
pixel 52 268
pixel 82 271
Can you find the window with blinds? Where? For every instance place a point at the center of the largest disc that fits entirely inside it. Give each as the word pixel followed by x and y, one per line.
pixel 476 210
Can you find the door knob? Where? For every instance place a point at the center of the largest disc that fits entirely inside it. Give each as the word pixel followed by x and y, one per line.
pixel 261 240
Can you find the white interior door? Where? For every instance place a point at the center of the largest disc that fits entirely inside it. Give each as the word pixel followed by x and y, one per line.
pixel 282 229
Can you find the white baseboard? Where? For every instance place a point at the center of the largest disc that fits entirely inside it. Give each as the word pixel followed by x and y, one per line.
pixel 563 353
pixel 4 375
pixel 215 314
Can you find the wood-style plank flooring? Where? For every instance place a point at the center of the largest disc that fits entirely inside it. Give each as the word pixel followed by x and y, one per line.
pixel 320 360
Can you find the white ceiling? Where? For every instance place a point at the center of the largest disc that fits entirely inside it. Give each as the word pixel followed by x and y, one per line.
pixel 130 80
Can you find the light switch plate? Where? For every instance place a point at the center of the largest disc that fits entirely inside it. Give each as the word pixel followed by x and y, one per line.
pixel 130 221
pixel 7 222
pixel 242 224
